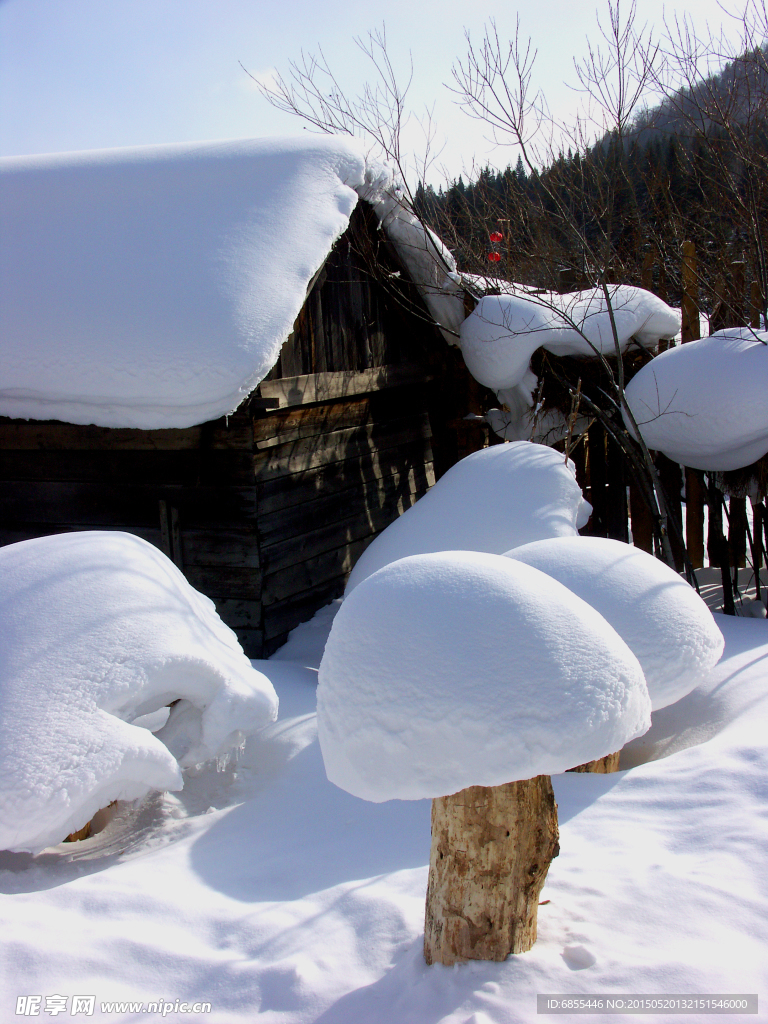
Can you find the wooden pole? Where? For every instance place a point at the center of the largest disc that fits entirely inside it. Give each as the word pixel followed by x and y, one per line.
pixel 671 477
pixel 737 532
pixel 616 492
pixel 691 323
pixel 491 850
pixel 661 291
pixel 646 272
pixel 695 499
pixel 736 294
pixel 757 543
pixel 717 546
pixel 755 305
pixel 641 519
pixel 596 442
pixel 694 483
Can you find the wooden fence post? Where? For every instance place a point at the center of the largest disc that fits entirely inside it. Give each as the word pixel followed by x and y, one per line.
pixel 646 272
pixel 717 546
pixel 695 495
pixel 597 479
pixel 757 543
pixel 671 477
pixel 691 324
pixel 616 492
pixel 641 519
pixel 736 286
pixel 694 482
pixel 755 305
pixel 737 532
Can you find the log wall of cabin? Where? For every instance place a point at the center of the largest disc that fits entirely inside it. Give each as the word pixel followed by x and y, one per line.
pixel 330 476
pixel 189 492
pixel 266 513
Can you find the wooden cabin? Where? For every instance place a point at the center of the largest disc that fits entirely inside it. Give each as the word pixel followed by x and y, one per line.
pixel 266 510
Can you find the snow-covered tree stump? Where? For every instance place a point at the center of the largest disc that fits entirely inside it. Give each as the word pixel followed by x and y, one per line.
pixel 601 766
pixel 81 833
pixel 491 850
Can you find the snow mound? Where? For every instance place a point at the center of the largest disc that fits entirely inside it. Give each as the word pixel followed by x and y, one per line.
pixel 97 631
pixel 502 333
pixel 154 286
pixel 659 616
pixel 494 499
pixel 703 404
pixel 458 668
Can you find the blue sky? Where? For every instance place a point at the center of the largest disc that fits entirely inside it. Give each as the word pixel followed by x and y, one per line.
pixel 85 74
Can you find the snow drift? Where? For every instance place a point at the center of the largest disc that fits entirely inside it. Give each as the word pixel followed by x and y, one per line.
pixel 661 884
pixel 704 403
pixel 660 617
pixel 495 499
pixel 98 630
pixel 459 669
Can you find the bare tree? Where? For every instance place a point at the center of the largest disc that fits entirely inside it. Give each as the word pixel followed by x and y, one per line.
pixel 493 83
pixel 378 114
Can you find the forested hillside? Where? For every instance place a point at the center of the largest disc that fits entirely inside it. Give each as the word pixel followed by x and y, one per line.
pixel 690 168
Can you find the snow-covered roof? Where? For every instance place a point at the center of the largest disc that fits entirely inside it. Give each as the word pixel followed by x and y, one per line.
pixel 98 631
pixel 704 403
pixel 463 668
pixel 154 286
pixel 502 333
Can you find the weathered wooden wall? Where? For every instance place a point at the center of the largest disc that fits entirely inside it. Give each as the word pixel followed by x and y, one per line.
pixel 329 478
pixel 189 492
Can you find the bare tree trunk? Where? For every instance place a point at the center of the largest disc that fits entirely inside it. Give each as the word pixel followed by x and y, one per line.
pixel 491 850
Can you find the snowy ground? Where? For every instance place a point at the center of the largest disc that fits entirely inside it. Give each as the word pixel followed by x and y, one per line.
pixel 266 891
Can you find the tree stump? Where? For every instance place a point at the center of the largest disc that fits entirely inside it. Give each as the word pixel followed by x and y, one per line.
pixel 601 766
pixel 491 850
pixel 81 833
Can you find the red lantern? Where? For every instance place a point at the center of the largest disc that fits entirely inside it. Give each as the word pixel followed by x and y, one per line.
pixel 496 236
pixel 494 257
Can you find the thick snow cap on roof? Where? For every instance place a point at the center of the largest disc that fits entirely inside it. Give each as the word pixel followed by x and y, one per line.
pixel 459 669
pixel 98 630
pixel 153 287
pixel 704 403
pixel 660 617
pixel 494 499
pixel 502 333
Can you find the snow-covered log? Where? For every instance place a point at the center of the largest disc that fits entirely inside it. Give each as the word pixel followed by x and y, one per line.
pixel 99 631
pixel 454 670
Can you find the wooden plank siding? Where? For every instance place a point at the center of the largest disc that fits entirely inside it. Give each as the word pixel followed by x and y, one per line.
pixel 267 510
pixel 324 494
